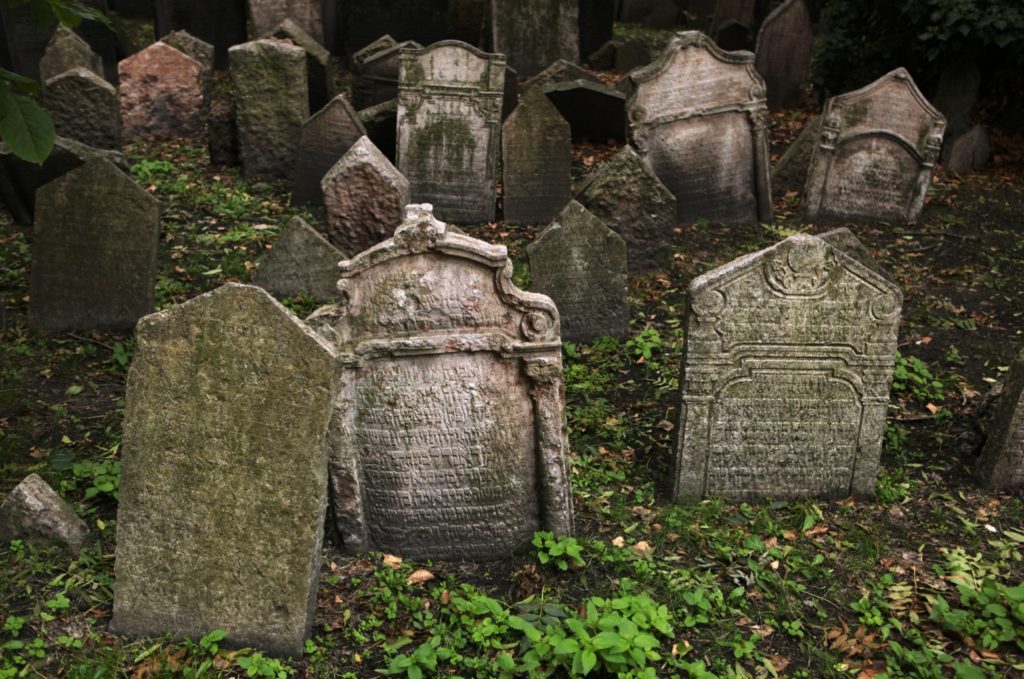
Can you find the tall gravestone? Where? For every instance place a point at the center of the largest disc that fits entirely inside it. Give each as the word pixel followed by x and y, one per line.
pixel 267 14
pixel 66 50
pixel 698 118
pixel 1001 464
pixel 536 161
pixel 221 23
pixel 161 94
pixel 271 104
pixel 876 153
pixel 324 139
pixel 224 490
pixel 301 261
pixel 784 46
pixel 84 107
pixel 448 440
pixel 581 265
pixel 786 375
pixel 534 33
pixel 449 128
pixel 93 251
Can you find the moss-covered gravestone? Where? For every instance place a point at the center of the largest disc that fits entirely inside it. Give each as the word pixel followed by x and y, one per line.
pixel 324 139
pixel 300 261
pixel 66 51
pixel 84 107
pixel 536 161
pixel 534 33
pixel 224 473
pixel 1001 464
pixel 267 14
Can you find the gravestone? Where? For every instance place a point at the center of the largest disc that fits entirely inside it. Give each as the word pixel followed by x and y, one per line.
pixel 732 36
pixel 364 195
pixel 213 469
pixel 448 440
pixel 625 196
pixel 970 151
pixel 66 51
pixel 23 42
pixel 376 78
pixel 603 58
pixel 381 122
pixel 790 172
pixel 200 50
pixel 271 103
pixel 581 265
pixel 533 33
pixel 630 54
pixel 161 94
pixel 956 93
pixel 595 112
pixel 699 15
pixel 784 46
pixel 536 161
pixel 449 128
pixel 659 14
pixel 221 130
pixel 1001 464
pixel 84 107
pixel 301 261
pixel 34 512
pixel 266 15
pixel 384 42
pixel 786 374
pixel 596 20
pixel 559 71
pixel 324 139
pixel 93 251
pixel 876 153
pixel 698 119
pixel 843 240
pixel 221 23
pixel 319 73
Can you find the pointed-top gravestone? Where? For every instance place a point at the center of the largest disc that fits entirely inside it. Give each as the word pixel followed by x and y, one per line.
pixel 365 196
pixel 200 50
pixel 1001 464
pixel 876 153
pixel 581 265
pixel 161 94
pixel 631 201
pixel 536 161
pixel 317 61
pixel 212 467
pixel 221 23
pixel 786 374
pixel 66 51
pixel 533 33
pixel 325 138
pixel 560 71
pixel 698 118
pixel 267 14
pixel 94 251
pixel 301 261
pixel 784 46
pixel 84 107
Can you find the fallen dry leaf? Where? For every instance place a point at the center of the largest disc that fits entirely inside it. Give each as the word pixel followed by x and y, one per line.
pixel 619 541
pixel 392 561
pixel 643 548
pixel 419 576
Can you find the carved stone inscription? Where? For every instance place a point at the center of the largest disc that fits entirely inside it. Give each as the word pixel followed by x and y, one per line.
pixel 871 177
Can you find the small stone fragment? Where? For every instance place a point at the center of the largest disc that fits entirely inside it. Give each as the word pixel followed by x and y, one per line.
pixel 34 512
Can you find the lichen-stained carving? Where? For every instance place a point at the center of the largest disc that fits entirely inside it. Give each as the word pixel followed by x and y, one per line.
pixel 698 118
pixel 786 375
pixel 876 153
pixel 449 128
pixel 448 438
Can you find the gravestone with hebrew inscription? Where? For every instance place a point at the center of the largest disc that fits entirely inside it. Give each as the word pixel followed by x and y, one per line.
pixel 536 161
pixel 698 118
pixel 581 265
pixel 448 440
pixel 84 107
pixel 266 15
pixel 784 46
pixel 449 128
pixel 162 92
pixel 534 33
pixel 223 488
pixel 93 251
pixel 786 375
pixel 876 153
pixel 66 50
pixel 300 261
pixel 325 138
pixel 1001 464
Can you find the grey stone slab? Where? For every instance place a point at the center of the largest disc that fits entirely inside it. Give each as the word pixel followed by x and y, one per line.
pixel 224 473
pixel 221 23
pixel 698 118
pixel 318 61
pixel 534 33
pixel 630 54
pixel 162 94
pixel 93 251
pixel 1001 464
pixel 266 15
pixel 449 128
pixel 876 153
pixel 595 112
pixel 200 50
pixel 23 41
pixel 956 94
pixel 536 161
pixel 271 104
pixel 34 512
pixel 300 261
pixel 558 72
pixel 624 195
pixel 425 21
pixel 448 440
pixel 84 107
pixel 581 265
pixel 325 138
pixel 66 51
pixel 843 240
pixel 790 172
pixel 510 93
pixel 784 46
pixel 967 152
pixel 786 375
pixel 381 122
pixel 384 42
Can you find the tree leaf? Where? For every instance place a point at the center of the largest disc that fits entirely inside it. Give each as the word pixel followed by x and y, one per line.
pixel 25 127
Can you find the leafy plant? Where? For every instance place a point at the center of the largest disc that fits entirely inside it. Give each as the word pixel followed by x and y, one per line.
pixel 561 552
pixel 912 375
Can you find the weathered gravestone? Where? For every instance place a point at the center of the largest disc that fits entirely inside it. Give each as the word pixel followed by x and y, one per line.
pixel 595 111
pixel 558 72
pixel 161 94
pixel 319 73
pixel 448 440
pixel 790 172
pixel 271 103
pixel 631 201
pixel 533 33
pixel 381 123
pixel 876 153
pixel 23 41
pixel 581 265
pixel 425 21
pixel 536 161
pixel 223 488
pixel 266 15
pixel 956 93
pixel 376 78
pixel 34 512
pixel 84 107
pixel 365 196
pixel 301 261
pixel 449 128
pixel 324 139
pixel 784 46
pixel 200 50
pixel 66 51
pixel 221 23
pixel 1001 464
pixel 698 119
pixel 786 374
pixel 93 251
pixel 630 54
pixel 969 151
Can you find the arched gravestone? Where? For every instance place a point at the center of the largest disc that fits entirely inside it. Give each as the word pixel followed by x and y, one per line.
pixel 448 439
pixel 784 46
pixel 786 375
pixel 876 153
pixel 449 128
pixel 698 117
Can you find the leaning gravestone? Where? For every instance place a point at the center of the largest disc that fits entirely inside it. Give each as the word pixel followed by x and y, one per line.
pixel 319 73
pixel 876 153
pixel 84 107
pixel 1001 464
pixel 784 46
pixel 34 512
pixel 271 103
pixel 161 94
pixel 560 71
pixel 301 261
pixel 581 265
pixel 324 139
pixel 221 23
pixel 66 51
pixel 376 74
pixel 268 14
pixel 449 128
pixel 698 119
pixel 786 375
pixel 533 33
pixel 448 440
pixel 536 161
pixel 223 490
pixel 625 196
pixel 94 251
